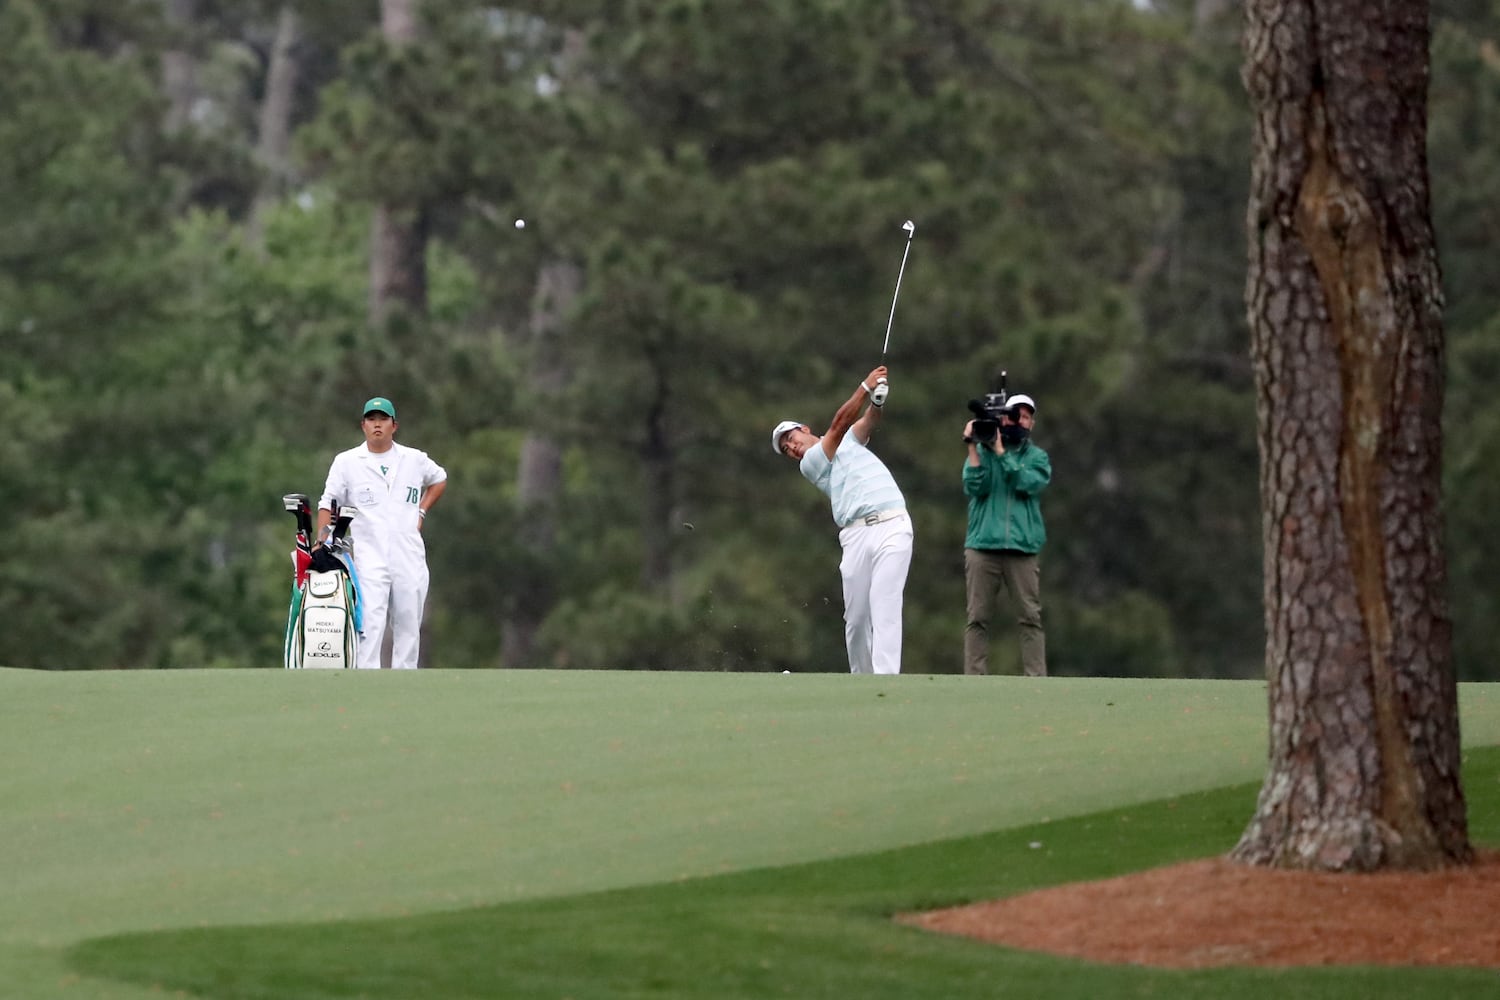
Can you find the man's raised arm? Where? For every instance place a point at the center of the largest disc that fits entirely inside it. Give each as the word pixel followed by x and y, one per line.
pixel 849 414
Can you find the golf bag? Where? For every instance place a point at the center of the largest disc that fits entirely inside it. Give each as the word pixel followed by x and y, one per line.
pixel 323 619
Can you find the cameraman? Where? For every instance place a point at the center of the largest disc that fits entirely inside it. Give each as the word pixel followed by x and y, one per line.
pixel 1003 479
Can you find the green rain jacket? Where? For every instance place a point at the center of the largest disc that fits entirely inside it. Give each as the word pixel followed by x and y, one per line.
pixel 1003 492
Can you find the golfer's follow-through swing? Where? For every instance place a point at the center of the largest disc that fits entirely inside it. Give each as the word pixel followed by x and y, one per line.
pixel 875 532
pixel 877 396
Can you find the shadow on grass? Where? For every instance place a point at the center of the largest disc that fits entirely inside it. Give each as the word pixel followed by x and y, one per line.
pixel 806 931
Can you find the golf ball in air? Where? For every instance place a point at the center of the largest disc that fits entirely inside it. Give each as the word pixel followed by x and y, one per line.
pixel 520 223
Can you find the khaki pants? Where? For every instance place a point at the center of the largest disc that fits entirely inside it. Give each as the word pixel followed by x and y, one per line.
pixel 987 571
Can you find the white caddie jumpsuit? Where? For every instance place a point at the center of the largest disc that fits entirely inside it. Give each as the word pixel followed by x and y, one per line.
pixel 389 554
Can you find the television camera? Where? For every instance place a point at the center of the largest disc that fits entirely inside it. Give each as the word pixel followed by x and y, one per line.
pixel 988 423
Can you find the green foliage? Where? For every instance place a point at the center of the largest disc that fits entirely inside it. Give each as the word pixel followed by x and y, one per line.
pixel 81 214
pixel 1130 635
pixel 736 619
pixel 83 226
pixel 1463 122
pixel 729 180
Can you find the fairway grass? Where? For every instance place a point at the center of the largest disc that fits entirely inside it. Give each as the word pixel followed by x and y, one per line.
pixel 591 834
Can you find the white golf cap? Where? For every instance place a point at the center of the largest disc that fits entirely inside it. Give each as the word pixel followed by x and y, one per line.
pixel 1020 399
pixel 780 431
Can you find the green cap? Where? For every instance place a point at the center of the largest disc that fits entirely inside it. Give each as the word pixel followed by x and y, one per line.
pixel 378 404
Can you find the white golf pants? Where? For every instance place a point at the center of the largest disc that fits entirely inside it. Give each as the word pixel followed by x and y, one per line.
pixel 876 558
pixel 399 599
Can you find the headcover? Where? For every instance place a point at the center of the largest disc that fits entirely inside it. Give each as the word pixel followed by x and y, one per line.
pixel 324 561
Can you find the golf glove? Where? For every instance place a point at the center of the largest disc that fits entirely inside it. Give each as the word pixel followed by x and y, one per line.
pixel 880 392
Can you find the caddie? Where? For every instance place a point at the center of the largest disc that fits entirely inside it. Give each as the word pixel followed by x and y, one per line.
pixel 393 487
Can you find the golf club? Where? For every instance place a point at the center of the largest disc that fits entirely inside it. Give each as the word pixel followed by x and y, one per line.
pixel 300 506
pixel 878 395
pixel 342 518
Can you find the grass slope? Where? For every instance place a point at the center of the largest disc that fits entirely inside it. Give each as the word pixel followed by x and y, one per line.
pixel 154 801
pixel 821 930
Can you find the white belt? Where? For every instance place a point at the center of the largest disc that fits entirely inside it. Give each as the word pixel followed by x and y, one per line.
pixel 879 517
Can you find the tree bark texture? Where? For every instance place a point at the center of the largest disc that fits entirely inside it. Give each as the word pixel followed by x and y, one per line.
pixel 539 469
pixel 398 233
pixel 273 141
pixel 540 465
pixel 398 260
pixel 1345 307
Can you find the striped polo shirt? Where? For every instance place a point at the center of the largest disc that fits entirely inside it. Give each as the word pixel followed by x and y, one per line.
pixel 856 481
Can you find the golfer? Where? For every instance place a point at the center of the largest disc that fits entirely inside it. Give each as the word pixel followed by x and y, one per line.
pixel 393 487
pixel 874 529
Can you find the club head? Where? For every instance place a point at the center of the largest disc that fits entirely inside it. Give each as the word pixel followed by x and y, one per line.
pixel 910 227
pixel 341 522
pixel 296 502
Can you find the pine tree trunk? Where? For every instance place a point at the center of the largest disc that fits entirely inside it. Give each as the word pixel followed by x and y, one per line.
pixel 398 233
pixel 539 470
pixel 398 261
pixel 273 141
pixel 1345 306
